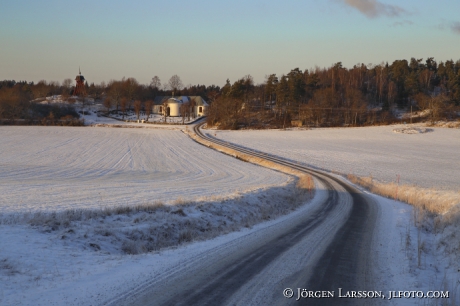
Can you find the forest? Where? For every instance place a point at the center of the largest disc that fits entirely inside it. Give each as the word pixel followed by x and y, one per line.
pixel 333 96
pixel 337 96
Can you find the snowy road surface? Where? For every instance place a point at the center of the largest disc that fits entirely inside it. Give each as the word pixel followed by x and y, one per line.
pixel 55 168
pixel 325 246
pixel 331 246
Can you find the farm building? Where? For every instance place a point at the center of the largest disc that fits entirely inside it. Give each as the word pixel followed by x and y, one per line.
pixel 172 106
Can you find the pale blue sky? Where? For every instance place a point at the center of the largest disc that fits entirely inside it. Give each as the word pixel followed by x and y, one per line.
pixel 206 42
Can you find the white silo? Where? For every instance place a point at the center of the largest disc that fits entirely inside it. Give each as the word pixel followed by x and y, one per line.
pixel 173 108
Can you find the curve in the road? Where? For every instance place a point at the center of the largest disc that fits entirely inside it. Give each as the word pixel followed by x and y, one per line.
pixel 341 258
pixel 346 263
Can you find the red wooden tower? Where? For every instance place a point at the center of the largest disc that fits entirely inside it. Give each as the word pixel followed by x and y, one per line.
pixel 80 87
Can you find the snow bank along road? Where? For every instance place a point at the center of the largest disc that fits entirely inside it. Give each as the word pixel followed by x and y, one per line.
pixel 326 247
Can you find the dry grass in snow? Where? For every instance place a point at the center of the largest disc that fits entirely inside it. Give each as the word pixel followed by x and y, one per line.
pixel 151 227
pixel 412 130
pixel 435 211
pixel 426 199
pixel 445 124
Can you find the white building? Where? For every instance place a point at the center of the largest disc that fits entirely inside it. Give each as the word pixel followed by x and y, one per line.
pixel 172 106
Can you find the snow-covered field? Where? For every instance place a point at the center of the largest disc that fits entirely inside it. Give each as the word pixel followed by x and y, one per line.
pixel 52 168
pixel 55 168
pixel 427 159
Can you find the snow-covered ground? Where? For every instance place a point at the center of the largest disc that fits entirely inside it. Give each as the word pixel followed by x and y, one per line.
pixel 81 263
pixel 39 268
pixel 152 119
pixel 52 168
pixel 156 121
pixel 55 168
pixel 406 257
pixel 92 106
pixel 428 159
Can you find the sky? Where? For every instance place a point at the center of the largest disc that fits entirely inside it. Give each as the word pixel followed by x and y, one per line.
pixel 208 41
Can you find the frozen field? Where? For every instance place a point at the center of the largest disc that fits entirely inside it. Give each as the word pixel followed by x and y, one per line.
pixel 428 160
pixel 55 168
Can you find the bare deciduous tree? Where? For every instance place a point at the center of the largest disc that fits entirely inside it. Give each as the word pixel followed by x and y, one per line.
pixel 148 108
pixel 66 88
pixel 184 110
pixel 165 109
pixel 83 100
pixel 137 108
pixel 123 105
pixel 131 86
pixel 108 103
pixel 40 90
pixel 439 106
pixel 191 111
pixel 155 83
pixel 97 90
pixel 67 83
pixel 175 83
pixel 115 92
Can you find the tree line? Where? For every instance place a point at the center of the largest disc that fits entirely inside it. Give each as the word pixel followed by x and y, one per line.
pixel 333 96
pixel 338 96
pixel 18 100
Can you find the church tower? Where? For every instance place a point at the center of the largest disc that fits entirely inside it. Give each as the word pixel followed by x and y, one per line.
pixel 80 87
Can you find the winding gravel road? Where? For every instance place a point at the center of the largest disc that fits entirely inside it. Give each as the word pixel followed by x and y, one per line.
pixel 322 248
